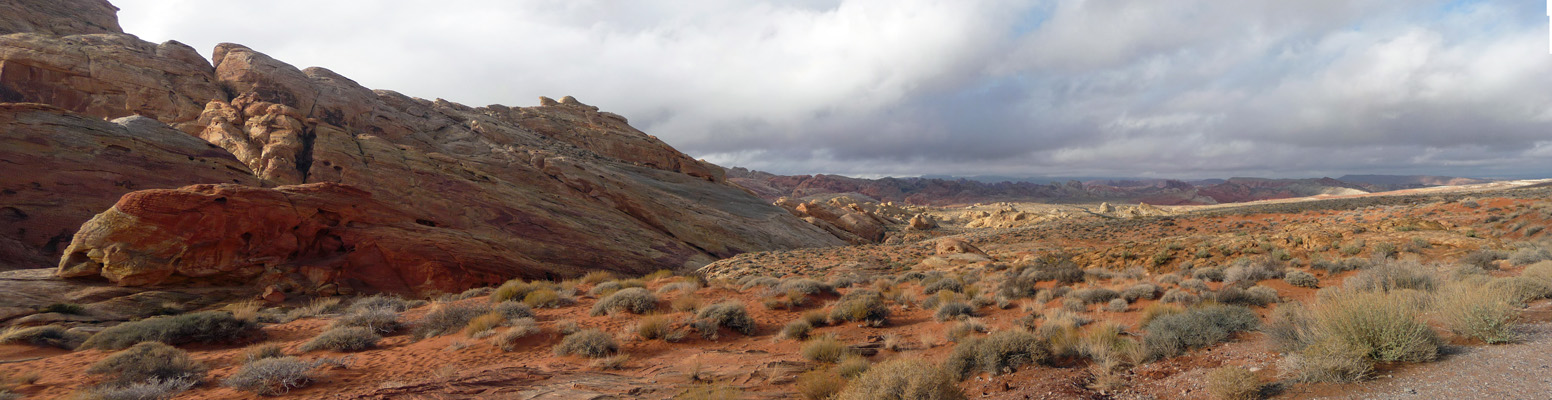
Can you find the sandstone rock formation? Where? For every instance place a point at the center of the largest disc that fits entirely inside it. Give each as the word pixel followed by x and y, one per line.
pixel 923 222
pixel 448 195
pixel 62 168
pixel 849 224
pixel 58 17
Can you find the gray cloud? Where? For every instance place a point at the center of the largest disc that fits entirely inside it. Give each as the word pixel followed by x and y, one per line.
pixel 1191 88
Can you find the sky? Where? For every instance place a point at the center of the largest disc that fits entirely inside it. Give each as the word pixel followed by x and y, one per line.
pixel 869 88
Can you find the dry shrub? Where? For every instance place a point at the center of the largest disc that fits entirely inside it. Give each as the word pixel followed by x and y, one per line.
pixel 383 320
pixel 447 318
pixel 825 349
pixel 273 376
pixel 861 306
pixel 1141 291
pixel 591 343
pixel 596 276
pixel 47 335
pixel 1103 343
pixel 903 379
pixel 635 300
pixel 819 384
pixel 1093 295
pixel 1477 312
pixel 200 327
pixel 1156 310
pixel 1353 330
pixel 1393 275
pixel 953 310
pixel 1301 279
pixel 653 327
pixel 612 362
pixel 998 353
pixel 851 366
pixel 659 274
pixel 1116 305
pixel 1233 383
pixel 730 314
pixel 515 289
pixel 796 330
pixel 149 360
pixel 1290 327
pixel 543 298
pixel 153 389
pixel 1172 335
pixel 521 328
pixel 1177 296
pixel 263 351
pixel 343 339
pixel 388 302
pixel 686 302
pixel 805 286
pixel 962 329
pixel 1329 360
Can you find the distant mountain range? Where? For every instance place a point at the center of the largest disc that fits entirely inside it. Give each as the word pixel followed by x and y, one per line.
pixel 949 190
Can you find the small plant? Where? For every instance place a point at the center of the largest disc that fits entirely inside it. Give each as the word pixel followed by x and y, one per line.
pixel 825 349
pixel 998 353
pixel 962 329
pixel 903 379
pixel 861 306
pixel 543 298
pixel 513 310
pixel 819 384
pixel 447 318
pixel 1394 275
pixel 1208 274
pixel 1141 291
pixel 1477 312
pixel 659 274
pixel 591 343
pixel 796 330
pixel 348 339
pixel 611 362
pixel 515 289
pixel 686 302
pixel 64 308
pixel 1290 327
pixel 1233 383
pixel 653 327
pixel 382 320
pixel 521 328
pixel 853 365
pixel 1116 305
pixel 730 314
pixel 1172 335
pixel 595 277
pixel 1302 279
pixel 152 389
pixel 1094 295
pixel 1177 296
pixel 200 327
pixel 47 335
pixel 149 360
pixel 1484 259
pixel 953 310
pixel 634 300
pixel 263 351
pixel 273 376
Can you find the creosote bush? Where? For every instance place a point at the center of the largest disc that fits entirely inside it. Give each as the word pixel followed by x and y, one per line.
pixel 149 360
pixel 999 353
pixel 903 379
pixel 591 343
pixel 634 300
pixel 346 339
pixel 199 327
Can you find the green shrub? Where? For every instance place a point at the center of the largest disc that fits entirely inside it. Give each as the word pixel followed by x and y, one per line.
pixel 591 343
pixel 347 339
pixel 1233 383
pixel 447 318
pixel 953 310
pixel 903 379
pixel 861 306
pixel 200 327
pixel 1477 312
pixel 825 349
pixel 149 360
pixel 273 376
pixel 1302 279
pixel 1174 334
pixel 729 314
pixel 634 300
pixel 999 353
pixel 47 335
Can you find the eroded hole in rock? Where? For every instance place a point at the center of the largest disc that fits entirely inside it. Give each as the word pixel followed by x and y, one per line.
pixel 12 214
pixel 426 222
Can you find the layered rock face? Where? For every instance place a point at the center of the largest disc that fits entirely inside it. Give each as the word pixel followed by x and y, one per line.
pixel 61 168
pixel 374 190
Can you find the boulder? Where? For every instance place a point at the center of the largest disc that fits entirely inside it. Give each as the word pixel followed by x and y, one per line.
pixel 63 168
pixel 59 17
pixel 947 246
pixel 922 222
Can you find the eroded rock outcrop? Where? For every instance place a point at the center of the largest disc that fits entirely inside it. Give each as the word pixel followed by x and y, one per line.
pixel 557 189
pixel 59 17
pixel 61 168
pixel 849 224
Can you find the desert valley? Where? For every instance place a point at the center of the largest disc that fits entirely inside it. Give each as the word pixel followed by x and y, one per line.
pixel 235 227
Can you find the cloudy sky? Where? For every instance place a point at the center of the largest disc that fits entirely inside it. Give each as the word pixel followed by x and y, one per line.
pixel 1181 88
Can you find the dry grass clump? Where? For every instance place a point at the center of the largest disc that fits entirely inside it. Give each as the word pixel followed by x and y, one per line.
pixel 521 328
pixel 483 323
pixel 730 314
pixel 1207 274
pixel 686 287
pixel 804 286
pixel 962 329
pixel 819 384
pixel 348 339
pixel 825 349
pixel 1178 296
pixel 853 365
pixel 199 327
pixel 953 310
pixel 591 343
pixel 1394 275
pixel 1141 291
pixel 1290 327
pixel 47 335
pixel 1477 312
pixel 685 302
pixel 1156 310
pixel 1233 383
pixel 314 308
pixel 388 302
pixel 1529 255
pixel 1116 305
pixel 754 281
pixel 382 320
pixel 1252 271
pixel 513 310
pixel 798 329
pixel 653 327
pixel 1174 334
pixel 861 306
pixel 263 351
pixel 273 376
pixel 903 379
pixel 999 353
pixel 153 389
pixel 1093 295
pixel 1353 330
pixel 149 360
pixel 1301 279
pixel 544 298
pixel 595 277
pixel 1257 296
pixel 1485 259
pixel 942 284
pixel 635 300
pixel 515 290
pixel 447 318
